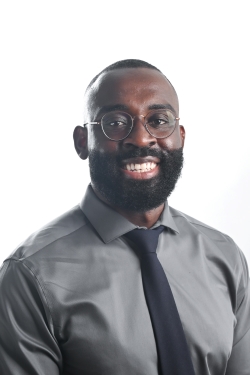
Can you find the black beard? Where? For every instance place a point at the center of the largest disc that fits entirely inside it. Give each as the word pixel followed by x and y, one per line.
pixel 130 194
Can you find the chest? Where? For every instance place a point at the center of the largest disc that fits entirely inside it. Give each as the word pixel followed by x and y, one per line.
pixel 102 319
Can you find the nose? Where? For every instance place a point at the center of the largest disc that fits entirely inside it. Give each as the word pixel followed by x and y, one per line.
pixel 139 136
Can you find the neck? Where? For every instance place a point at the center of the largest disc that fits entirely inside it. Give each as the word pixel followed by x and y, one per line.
pixel 142 219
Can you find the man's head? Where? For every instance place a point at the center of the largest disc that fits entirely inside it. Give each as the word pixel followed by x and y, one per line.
pixel 136 88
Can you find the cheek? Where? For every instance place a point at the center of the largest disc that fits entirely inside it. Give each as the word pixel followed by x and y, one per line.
pixel 171 143
pixel 98 141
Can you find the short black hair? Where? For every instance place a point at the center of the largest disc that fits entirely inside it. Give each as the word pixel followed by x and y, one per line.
pixel 129 63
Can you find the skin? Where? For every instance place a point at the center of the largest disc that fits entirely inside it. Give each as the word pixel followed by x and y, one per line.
pixel 136 89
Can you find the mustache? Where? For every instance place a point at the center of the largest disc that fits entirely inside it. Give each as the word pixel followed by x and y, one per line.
pixel 143 152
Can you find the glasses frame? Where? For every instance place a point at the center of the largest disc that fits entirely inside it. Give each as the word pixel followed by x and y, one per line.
pixel 132 118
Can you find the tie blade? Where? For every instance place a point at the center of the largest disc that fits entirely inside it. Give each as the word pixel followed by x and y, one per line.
pixel 173 351
pixel 172 348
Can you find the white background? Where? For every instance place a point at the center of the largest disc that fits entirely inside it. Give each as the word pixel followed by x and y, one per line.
pixel 50 50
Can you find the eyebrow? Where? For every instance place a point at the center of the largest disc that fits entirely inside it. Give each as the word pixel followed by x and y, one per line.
pixel 162 106
pixel 112 107
pixel 123 107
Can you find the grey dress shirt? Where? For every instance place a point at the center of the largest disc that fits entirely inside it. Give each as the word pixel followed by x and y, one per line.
pixel 72 300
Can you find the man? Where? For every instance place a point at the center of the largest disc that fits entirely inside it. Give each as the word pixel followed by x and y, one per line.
pixel 72 296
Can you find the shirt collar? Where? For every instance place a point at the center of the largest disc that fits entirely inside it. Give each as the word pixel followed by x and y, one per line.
pixel 110 224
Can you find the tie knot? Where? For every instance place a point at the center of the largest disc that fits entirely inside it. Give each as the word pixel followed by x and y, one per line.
pixel 145 239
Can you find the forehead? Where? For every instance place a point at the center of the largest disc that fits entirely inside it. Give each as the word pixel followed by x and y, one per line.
pixel 134 88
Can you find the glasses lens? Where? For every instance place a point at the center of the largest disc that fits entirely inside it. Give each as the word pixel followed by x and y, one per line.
pixel 160 123
pixel 116 125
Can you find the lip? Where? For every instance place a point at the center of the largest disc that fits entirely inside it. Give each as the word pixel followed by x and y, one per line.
pixel 141 175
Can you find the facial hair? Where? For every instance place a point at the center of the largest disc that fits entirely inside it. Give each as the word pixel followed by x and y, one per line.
pixel 133 194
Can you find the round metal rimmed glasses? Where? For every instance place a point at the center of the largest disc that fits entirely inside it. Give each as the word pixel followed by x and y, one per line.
pixel 117 125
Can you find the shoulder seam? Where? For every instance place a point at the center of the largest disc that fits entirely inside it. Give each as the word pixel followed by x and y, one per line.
pixel 42 289
pixel 204 226
pixel 213 229
pixel 3 269
pixel 50 243
pixel 240 255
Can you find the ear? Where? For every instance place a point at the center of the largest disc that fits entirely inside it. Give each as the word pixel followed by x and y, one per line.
pixel 80 136
pixel 182 133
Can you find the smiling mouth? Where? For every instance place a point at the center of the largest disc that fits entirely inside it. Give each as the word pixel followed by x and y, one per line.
pixel 139 168
pixel 141 164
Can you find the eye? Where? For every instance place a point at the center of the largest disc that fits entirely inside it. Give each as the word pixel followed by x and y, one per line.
pixel 158 120
pixel 115 120
pixel 161 120
pixel 116 123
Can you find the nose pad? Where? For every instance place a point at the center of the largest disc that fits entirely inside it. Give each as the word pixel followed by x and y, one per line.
pixel 139 136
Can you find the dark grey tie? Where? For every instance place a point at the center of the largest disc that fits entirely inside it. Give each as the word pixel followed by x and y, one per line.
pixel 173 353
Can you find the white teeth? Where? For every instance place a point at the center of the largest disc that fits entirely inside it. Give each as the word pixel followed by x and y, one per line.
pixel 144 167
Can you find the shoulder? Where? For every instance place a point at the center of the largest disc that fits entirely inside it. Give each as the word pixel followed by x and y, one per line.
pixel 217 248
pixel 56 230
pixel 46 258
pixel 184 221
pixel 213 242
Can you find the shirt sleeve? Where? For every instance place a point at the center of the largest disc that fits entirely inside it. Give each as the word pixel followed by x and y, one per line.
pixel 27 342
pixel 239 361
